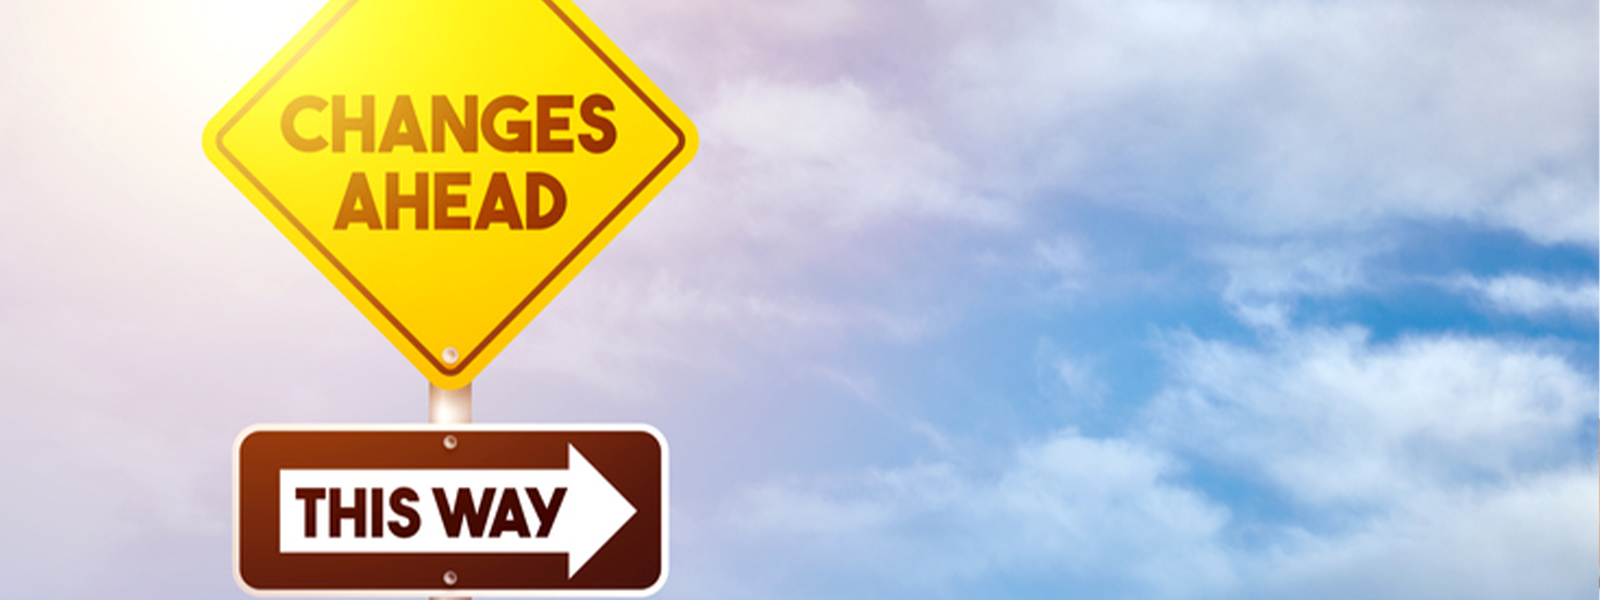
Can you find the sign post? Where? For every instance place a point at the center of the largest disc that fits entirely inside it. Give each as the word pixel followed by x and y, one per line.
pixel 450 166
pixel 449 407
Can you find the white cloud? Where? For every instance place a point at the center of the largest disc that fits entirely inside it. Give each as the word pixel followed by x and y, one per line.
pixel 149 312
pixel 1552 208
pixel 1064 260
pixel 1285 117
pixel 1532 538
pixel 779 236
pixel 1264 280
pixel 627 328
pixel 1076 378
pixel 1061 509
pixel 1335 420
pixel 792 157
pixel 1422 467
pixel 1275 118
pixel 1294 117
pixel 1527 296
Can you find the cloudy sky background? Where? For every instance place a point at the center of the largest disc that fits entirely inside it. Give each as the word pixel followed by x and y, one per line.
pixel 1055 299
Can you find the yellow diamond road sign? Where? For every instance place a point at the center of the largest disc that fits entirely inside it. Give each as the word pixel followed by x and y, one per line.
pixel 450 165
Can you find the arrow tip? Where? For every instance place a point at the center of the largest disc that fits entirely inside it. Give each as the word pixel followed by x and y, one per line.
pixel 599 510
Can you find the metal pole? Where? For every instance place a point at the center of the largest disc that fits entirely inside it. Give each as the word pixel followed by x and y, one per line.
pixel 449 407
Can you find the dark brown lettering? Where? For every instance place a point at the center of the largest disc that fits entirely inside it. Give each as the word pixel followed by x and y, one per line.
pixel 377 512
pixel 337 512
pixel 443 200
pixel 358 205
pixel 499 206
pixel 310 496
pixel 463 510
pixel 549 124
pixel 509 515
pixel 394 200
pixel 521 131
pixel 343 123
pixel 546 512
pixel 397 505
pixel 403 128
pixel 291 135
pixel 538 219
pixel 590 112
pixel 463 126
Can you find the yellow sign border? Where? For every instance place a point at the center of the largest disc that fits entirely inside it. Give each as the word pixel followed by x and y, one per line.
pixel 474 360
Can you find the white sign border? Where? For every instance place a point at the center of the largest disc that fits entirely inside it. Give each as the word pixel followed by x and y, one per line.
pixel 666 513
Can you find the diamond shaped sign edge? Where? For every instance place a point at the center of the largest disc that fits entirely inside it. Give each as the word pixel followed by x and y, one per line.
pixel 477 358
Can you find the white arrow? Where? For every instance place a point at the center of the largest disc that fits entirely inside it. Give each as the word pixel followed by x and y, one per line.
pixel 490 511
pixel 599 512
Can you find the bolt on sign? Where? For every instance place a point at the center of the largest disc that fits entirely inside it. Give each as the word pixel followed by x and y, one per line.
pixel 467 510
pixel 450 165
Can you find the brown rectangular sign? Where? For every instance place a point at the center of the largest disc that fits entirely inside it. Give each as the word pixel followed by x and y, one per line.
pixel 457 510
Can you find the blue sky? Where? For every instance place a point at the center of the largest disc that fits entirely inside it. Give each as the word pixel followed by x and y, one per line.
pixel 1054 299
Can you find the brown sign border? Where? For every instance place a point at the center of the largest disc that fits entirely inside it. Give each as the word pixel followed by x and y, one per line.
pixel 461 365
pixel 632 457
